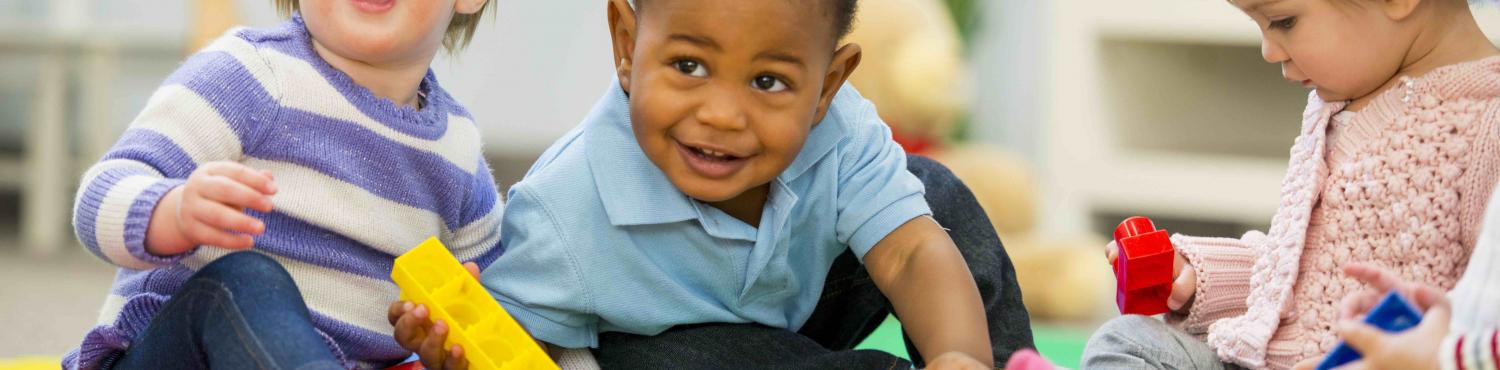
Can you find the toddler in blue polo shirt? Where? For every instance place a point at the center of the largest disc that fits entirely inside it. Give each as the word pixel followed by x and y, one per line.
pixel 715 207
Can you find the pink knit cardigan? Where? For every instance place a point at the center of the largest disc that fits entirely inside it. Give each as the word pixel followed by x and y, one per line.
pixel 1405 189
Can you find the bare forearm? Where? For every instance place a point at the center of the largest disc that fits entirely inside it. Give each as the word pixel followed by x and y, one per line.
pixel 934 294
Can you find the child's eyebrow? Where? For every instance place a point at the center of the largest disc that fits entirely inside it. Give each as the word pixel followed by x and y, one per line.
pixel 780 57
pixel 1253 5
pixel 696 40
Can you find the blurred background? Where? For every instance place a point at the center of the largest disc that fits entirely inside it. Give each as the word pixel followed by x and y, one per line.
pixel 1064 116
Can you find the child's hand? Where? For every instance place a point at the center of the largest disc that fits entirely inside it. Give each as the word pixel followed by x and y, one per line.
pixel 1413 349
pixel 956 360
pixel 417 333
pixel 209 210
pixel 1379 282
pixel 1409 350
pixel 1185 279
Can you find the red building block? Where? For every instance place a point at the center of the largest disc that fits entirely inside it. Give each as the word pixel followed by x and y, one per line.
pixel 1143 271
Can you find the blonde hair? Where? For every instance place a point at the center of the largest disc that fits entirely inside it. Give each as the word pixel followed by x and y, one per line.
pixel 460 30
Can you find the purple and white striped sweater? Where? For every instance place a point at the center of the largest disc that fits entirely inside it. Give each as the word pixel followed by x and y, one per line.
pixel 361 181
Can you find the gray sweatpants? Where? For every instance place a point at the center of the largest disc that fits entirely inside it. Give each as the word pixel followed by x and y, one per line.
pixel 1143 342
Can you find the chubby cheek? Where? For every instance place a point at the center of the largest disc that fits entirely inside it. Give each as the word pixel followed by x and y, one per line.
pixel 781 143
pixel 412 28
pixel 652 120
pixel 1346 67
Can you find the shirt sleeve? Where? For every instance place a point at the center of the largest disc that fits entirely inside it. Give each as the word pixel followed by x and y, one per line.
pixel 876 193
pixel 1474 350
pixel 538 279
pixel 1223 267
pixel 1474 297
pixel 478 238
pixel 208 110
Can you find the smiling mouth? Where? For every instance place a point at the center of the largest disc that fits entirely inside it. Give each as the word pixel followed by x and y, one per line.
pixel 710 154
pixel 711 163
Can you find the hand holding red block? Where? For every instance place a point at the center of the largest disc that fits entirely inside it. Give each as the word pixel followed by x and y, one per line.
pixel 1143 270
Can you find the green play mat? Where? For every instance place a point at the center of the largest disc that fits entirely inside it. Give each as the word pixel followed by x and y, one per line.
pixel 1063 345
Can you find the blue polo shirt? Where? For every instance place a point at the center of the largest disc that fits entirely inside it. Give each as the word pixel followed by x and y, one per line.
pixel 598 240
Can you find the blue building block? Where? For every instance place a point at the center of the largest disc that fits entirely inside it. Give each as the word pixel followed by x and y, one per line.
pixel 1394 314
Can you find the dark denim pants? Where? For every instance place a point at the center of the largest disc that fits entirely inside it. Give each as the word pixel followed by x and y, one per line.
pixel 850 309
pixel 240 312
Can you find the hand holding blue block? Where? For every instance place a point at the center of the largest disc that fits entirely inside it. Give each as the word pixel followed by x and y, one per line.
pixel 1394 314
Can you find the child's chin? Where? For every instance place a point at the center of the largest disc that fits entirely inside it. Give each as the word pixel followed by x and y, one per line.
pixel 711 193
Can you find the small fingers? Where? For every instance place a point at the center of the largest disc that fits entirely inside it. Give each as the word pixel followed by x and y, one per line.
pixel 1362 337
pixel 1111 252
pixel 397 309
pixel 473 269
pixel 411 332
pixel 229 191
pixel 221 217
pixel 456 359
pixel 432 352
pixel 203 234
pixel 1378 278
pixel 260 180
pixel 1358 303
pixel 1183 289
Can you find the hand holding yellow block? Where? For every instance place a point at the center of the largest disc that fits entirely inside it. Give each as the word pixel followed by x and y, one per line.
pixel 429 275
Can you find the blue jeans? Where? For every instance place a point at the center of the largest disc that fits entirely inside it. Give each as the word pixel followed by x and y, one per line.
pixel 849 310
pixel 240 312
pixel 1144 342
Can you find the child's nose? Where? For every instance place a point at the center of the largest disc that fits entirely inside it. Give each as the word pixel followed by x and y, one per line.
pixel 1271 51
pixel 723 111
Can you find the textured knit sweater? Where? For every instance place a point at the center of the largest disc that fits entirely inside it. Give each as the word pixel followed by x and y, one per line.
pixel 1403 186
pixel 361 181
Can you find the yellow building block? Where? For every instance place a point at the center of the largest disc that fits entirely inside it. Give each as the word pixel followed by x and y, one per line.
pixel 429 275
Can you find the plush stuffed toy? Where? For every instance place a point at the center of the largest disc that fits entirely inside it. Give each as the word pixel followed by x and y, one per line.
pixel 914 71
pixel 211 18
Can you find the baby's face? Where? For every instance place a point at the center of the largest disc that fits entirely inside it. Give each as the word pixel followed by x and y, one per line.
pixel 723 93
pixel 380 32
pixel 1343 49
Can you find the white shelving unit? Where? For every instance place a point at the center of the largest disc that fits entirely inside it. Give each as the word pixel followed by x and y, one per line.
pixel 77 48
pixel 1163 108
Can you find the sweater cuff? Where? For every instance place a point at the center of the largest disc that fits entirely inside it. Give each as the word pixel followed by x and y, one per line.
pixel 1448 353
pixel 1223 267
pixel 114 213
pixel 1469 351
pixel 139 220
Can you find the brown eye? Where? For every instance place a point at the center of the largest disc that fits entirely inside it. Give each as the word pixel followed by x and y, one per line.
pixel 691 68
pixel 768 83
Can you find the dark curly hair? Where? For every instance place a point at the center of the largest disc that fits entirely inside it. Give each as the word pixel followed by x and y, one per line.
pixel 842 13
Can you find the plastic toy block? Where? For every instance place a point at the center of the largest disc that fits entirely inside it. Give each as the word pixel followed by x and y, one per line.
pixel 1394 314
pixel 491 338
pixel 1143 270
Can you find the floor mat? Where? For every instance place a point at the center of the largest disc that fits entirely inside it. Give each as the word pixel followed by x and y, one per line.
pixel 1061 344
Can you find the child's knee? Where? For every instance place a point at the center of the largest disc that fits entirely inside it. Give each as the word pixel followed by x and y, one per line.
pixel 258 270
pixel 1128 334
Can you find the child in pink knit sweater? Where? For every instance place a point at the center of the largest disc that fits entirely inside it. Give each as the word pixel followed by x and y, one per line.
pixel 1398 152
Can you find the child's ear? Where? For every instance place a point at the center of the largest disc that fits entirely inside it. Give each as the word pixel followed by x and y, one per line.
pixel 1399 10
pixel 469 6
pixel 845 60
pixel 622 35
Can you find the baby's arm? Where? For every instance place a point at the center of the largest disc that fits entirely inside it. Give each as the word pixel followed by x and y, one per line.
pixel 1220 271
pixel 133 209
pixel 920 270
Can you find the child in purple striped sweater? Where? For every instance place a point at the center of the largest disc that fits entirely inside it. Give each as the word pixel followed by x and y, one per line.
pixel 324 146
